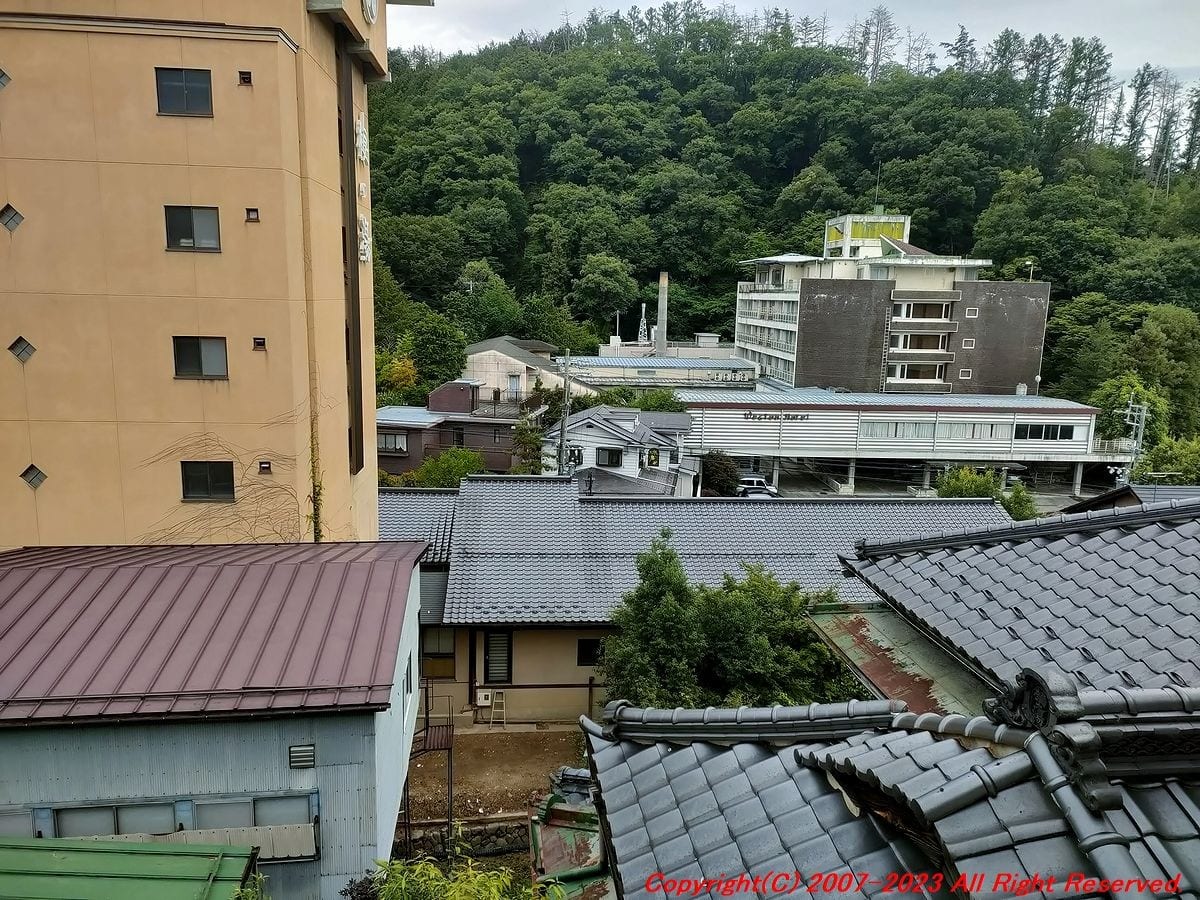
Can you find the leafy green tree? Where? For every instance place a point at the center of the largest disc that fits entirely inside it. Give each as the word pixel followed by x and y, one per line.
pixel 438 351
pixel 1180 457
pixel 1165 353
pixel 603 289
pixel 760 648
pixel 719 474
pixel 394 309
pixel 527 448
pixel 650 659
pixel 967 482
pixel 544 320
pixel 446 469
pixel 421 251
pixel 482 304
pixel 1112 397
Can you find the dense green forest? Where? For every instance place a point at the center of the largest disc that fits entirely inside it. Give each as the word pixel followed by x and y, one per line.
pixel 537 187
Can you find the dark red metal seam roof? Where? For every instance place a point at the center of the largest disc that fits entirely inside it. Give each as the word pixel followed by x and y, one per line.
pixel 99 633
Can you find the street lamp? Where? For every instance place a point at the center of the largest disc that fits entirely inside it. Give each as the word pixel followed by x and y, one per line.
pixel 1029 262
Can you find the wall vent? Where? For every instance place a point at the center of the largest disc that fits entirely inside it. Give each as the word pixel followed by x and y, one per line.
pixel 9 217
pixel 302 756
pixel 21 349
pixel 33 476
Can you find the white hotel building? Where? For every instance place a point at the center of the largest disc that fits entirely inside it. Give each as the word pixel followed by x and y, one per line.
pixel 1033 436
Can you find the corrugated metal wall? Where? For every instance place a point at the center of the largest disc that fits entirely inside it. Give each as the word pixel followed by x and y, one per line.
pixel 66 766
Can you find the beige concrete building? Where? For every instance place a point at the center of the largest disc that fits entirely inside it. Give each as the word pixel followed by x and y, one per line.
pixel 185 290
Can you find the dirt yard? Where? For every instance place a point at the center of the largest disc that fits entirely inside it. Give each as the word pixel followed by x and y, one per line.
pixel 493 773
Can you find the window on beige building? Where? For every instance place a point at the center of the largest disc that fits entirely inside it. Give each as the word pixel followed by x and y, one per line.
pixel 184 92
pixel 437 653
pixel 201 357
pixel 193 228
pixel 207 480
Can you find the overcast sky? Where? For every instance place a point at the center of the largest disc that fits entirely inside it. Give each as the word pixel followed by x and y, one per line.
pixel 1164 32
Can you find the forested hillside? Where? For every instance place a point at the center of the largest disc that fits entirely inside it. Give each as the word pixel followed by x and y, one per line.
pixel 537 187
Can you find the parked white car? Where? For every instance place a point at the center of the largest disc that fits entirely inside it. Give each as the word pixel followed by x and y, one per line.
pixel 755 484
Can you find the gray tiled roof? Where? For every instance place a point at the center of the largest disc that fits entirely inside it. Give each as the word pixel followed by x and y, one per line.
pixel 530 549
pixel 424 514
pixel 1112 597
pixel 704 793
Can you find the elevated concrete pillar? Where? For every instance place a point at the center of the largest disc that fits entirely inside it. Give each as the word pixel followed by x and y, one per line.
pixel 925 477
pixel 850 477
pixel 775 472
pixel 1077 483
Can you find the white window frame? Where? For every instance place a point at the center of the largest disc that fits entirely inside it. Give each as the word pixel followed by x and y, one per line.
pixel 905 311
pixel 911 431
pixel 901 373
pixel 904 341
pixel 968 343
pixel 398 441
pixel 971 312
pixel 965 374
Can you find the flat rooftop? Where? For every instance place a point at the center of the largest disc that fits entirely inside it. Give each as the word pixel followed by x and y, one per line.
pixel 660 362
pixel 818 398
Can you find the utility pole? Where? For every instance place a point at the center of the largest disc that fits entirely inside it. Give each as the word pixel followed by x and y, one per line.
pixel 566 411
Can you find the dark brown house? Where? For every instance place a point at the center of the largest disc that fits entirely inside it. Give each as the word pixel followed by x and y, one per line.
pixel 462 413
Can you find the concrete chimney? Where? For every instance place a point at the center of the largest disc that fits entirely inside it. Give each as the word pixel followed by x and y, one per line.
pixel 660 326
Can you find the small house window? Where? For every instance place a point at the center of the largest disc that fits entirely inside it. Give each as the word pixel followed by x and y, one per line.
pixel 964 374
pixel 184 92
pixel 207 480
pixel 587 652
pixel 282 810
pixel 225 814
pixel 392 442
pixel 85 821
pixel 968 343
pixel 609 457
pixel 972 312
pixel 4 79
pixel 652 457
pixel 200 357
pixel 193 228
pixel 437 653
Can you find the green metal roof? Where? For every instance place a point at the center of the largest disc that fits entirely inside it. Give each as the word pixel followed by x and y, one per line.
pixel 54 869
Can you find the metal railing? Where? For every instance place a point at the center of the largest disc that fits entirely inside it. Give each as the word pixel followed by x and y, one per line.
pixel 767 342
pixel 750 312
pixel 767 287
pixel 1114 445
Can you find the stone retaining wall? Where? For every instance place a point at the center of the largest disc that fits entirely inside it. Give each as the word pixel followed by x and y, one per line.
pixel 493 837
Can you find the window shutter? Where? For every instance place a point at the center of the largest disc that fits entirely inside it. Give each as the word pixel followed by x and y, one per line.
pixel 497 653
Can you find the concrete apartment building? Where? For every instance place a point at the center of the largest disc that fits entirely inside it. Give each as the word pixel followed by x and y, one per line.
pixel 185 270
pixel 875 313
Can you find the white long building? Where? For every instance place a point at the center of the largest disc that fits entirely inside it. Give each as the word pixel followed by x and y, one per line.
pixel 1021 432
